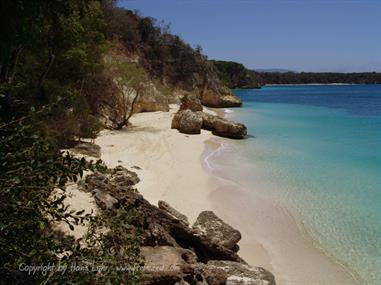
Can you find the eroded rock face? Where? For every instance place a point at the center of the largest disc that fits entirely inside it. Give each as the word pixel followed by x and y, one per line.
pixel 243 274
pixel 151 100
pixel 212 227
pixel 215 100
pixel 190 102
pixel 187 122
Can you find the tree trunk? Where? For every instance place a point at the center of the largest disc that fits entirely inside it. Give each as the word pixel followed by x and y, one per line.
pixel 15 59
pixel 3 72
pixel 126 118
pixel 132 106
pixel 47 69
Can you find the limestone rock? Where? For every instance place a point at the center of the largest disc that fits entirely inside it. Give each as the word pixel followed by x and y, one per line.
pixel 172 211
pixel 121 176
pixel 205 248
pixel 216 100
pixel 243 274
pixel 191 102
pixel 187 122
pixel 151 100
pixel 229 101
pixel 88 149
pixel 222 127
pixel 212 275
pixel 229 129
pixel 212 227
pixel 156 235
pixel 96 180
pixel 166 264
pixel 105 200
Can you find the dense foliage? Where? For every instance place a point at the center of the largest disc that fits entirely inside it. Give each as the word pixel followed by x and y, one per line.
pixel 51 53
pixel 164 55
pixel 235 75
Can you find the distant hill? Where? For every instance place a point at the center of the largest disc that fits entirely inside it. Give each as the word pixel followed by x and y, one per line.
pixel 278 70
pixel 236 75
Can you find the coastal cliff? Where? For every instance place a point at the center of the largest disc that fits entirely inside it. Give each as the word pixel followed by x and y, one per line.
pixel 118 93
pixel 68 71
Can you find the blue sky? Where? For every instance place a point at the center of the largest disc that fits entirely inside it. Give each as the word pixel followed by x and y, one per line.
pixel 301 35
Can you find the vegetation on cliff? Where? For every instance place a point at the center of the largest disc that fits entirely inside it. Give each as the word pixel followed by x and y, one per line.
pixel 236 75
pixel 60 61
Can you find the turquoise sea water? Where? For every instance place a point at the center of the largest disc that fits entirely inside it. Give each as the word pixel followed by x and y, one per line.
pixel 321 145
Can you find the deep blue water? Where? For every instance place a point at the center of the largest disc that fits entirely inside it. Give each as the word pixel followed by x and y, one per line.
pixel 322 146
pixel 362 100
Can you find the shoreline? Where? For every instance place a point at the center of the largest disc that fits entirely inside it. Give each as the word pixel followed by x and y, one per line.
pixel 295 225
pixel 171 172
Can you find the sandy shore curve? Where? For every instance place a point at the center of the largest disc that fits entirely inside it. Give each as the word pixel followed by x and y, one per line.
pixel 174 167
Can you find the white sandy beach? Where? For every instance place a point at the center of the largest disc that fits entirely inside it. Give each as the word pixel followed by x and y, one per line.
pixel 173 169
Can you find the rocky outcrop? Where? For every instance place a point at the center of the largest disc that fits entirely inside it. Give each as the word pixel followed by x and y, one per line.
pixel 187 122
pixel 151 100
pixel 222 127
pixel 243 274
pixel 190 102
pixel 87 149
pixel 105 200
pixel 173 252
pixel 216 100
pixel 212 227
pixel 190 120
pixel 123 177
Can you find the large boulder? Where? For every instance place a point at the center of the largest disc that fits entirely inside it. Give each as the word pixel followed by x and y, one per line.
pixel 166 264
pixel 229 101
pixel 215 229
pixel 212 275
pixel 205 248
pixel 191 102
pixel 172 211
pixel 174 265
pixel 222 127
pixel 243 274
pixel 216 100
pixel 229 129
pixel 187 122
pixel 208 120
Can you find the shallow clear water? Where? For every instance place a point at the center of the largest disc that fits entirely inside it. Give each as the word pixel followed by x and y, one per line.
pixel 321 145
